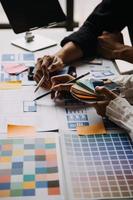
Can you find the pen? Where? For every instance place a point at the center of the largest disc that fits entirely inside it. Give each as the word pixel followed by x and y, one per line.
pixel 71 81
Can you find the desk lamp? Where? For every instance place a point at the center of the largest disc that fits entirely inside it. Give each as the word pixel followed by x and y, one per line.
pixel 28 15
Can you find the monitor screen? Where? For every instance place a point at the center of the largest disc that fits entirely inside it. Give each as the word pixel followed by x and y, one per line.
pixel 24 15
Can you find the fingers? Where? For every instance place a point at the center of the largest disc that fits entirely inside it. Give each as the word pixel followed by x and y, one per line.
pixel 57 64
pixel 101 107
pixel 47 60
pixel 62 87
pixel 57 90
pixel 45 66
pixel 38 72
pixel 112 37
pixel 61 79
pixel 59 84
pixel 109 94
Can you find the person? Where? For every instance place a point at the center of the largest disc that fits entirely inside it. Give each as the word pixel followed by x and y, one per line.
pixel 100 35
pixel 118 108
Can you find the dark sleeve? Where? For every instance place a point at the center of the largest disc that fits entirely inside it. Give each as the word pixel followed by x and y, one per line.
pixel 107 16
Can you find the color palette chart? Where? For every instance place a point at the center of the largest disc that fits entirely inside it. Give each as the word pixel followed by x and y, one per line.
pixel 98 166
pixel 29 168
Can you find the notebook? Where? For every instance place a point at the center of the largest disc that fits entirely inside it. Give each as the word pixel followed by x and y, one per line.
pixel 124 67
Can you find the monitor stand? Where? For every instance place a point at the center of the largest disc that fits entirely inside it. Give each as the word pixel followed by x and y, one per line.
pixel 34 42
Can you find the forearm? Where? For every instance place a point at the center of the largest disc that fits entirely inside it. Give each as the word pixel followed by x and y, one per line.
pixel 101 19
pixel 69 53
pixel 121 112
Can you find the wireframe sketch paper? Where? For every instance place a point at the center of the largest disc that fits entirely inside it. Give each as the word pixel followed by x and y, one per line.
pixel 13 66
pixel 77 115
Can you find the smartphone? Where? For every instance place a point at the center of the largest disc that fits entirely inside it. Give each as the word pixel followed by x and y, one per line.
pixel 71 70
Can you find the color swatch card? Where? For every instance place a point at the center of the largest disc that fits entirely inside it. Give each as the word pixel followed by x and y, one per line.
pixel 30 169
pixel 98 166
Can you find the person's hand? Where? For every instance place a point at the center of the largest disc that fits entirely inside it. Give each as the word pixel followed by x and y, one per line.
pixel 46 66
pixel 60 85
pixel 100 106
pixel 110 45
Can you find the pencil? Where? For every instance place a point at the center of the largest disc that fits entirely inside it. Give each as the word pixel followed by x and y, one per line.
pixel 39 84
pixel 71 81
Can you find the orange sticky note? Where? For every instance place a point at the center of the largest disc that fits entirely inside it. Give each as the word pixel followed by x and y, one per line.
pixel 98 128
pixel 20 130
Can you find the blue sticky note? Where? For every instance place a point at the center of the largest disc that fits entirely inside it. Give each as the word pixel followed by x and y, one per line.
pixel 8 57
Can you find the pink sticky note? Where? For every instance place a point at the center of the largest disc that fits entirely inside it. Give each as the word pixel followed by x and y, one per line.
pixel 16 68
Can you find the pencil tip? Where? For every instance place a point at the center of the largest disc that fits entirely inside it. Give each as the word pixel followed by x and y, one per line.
pixel 35 90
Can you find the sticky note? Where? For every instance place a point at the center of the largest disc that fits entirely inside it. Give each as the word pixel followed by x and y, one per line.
pixel 16 68
pixel 20 130
pixel 10 85
pixel 98 128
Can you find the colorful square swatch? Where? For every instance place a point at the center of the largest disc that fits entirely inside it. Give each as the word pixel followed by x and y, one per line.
pixel 29 168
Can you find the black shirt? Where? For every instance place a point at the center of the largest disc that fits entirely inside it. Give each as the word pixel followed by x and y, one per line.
pixel 109 15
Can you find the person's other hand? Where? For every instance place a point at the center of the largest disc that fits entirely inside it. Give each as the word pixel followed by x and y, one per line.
pixel 110 45
pixel 46 66
pixel 60 85
pixel 100 106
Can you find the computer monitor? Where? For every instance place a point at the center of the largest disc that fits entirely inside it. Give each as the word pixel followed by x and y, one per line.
pixel 25 15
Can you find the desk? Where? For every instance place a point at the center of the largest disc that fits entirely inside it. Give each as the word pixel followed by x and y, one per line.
pixel 6 47
pixel 94 166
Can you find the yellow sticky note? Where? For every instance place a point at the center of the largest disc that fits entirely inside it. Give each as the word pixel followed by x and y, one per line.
pixel 5 159
pixel 98 128
pixel 20 130
pixel 10 85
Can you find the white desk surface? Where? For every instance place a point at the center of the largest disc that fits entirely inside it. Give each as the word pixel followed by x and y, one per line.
pixel 27 94
pixel 6 47
pixel 10 99
pixel 6 35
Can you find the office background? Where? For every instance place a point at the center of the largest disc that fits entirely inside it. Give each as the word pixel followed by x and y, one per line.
pixel 81 10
